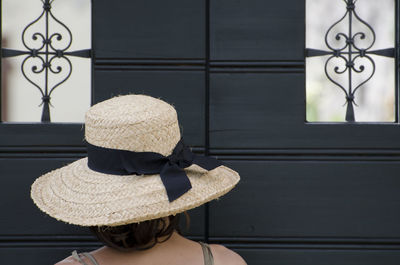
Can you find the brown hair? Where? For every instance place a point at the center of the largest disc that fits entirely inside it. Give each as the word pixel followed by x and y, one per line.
pixel 139 236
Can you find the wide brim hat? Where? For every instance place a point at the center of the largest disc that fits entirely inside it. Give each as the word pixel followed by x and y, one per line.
pixel 78 194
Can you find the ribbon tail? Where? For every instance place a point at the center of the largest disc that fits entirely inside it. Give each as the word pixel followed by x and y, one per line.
pixel 175 181
pixel 206 162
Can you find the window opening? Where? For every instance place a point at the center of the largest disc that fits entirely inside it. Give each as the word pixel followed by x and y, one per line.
pixel 351 70
pixel 38 59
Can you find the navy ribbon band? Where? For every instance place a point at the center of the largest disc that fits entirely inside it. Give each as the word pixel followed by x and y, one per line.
pixel 170 168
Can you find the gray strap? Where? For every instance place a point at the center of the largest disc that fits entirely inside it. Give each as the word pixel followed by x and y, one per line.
pixel 77 257
pixel 207 254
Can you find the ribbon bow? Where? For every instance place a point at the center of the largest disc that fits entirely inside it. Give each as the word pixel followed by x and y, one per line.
pixel 170 168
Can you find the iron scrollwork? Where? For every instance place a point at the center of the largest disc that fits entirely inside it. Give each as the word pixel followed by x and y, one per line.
pixel 350 53
pixel 46 58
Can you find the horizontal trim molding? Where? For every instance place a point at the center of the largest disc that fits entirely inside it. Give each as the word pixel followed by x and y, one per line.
pixel 49 244
pixel 367 247
pixel 144 61
pixel 256 70
pixel 328 151
pixel 40 152
pixel 56 241
pixel 42 149
pixel 303 158
pixel 217 66
pixel 55 152
pixel 288 64
pixel 231 242
pixel 308 154
pixel 309 243
pixel 149 68
pixel 126 64
pixel 257 66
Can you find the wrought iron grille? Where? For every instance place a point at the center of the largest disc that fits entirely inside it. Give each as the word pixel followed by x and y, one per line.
pixel 46 53
pixel 349 53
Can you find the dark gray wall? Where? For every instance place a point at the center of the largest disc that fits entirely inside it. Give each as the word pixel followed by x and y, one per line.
pixel 309 194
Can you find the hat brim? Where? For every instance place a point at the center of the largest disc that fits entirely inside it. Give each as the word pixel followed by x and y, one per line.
pixel 78 195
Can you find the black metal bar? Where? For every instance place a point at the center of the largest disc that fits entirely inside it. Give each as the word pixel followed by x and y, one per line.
pixel 46 97
pixel 316 52
pixel 389 52
pixel 350 109
pixel 11 53
pixel 86 53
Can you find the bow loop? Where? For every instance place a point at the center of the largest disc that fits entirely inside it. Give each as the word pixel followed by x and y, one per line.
pixel 181 155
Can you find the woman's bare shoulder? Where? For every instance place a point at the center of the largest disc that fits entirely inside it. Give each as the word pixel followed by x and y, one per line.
pixel 223 255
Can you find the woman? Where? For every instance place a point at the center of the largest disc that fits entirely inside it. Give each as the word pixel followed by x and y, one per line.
pixel 138 176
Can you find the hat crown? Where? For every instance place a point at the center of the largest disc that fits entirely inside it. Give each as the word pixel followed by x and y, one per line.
pixel 138 123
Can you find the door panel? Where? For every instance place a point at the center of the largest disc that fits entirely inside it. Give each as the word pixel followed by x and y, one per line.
pixel 149 29
pixel 47 254
pixel 21 137
pixel 256 30
pixel 310 199
pixel 267 110
pixel 17 175
pixel 183 89
pixel 255 108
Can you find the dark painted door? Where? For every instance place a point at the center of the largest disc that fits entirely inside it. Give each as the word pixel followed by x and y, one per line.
pixel 309 194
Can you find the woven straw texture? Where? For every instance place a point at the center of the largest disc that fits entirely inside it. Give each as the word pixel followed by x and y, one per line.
pixel 137 123
pixel 78 195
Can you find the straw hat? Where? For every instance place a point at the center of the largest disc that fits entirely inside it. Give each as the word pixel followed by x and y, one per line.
pixel 125 134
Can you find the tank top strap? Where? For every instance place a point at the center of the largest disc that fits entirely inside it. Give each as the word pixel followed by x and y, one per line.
pixel 207 254
pixel 77 257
